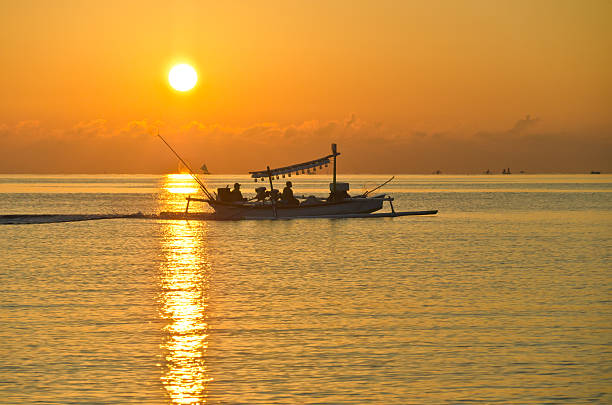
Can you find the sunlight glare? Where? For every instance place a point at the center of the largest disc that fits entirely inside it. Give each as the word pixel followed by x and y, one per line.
pixel 180 183
pixel 182 77
pixel 179 176
pixel 184 283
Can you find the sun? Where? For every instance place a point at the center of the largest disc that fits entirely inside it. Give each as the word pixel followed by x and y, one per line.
pixel 182 77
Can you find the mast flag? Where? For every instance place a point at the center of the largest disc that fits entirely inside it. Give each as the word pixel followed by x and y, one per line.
pixel 294 168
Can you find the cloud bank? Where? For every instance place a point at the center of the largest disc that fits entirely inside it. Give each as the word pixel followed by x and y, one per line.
pixel 367 147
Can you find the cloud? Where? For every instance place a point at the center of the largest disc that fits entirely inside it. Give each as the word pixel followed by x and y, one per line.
pixel 521 127
pixel 366 147
pixel 26 128
pixel 305 132
pixel 27 124
pixel 350 121
pixel 95 127
pixel 139 128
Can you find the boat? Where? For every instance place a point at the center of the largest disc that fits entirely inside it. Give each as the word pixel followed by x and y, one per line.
pixel 269 205
pixel 271 209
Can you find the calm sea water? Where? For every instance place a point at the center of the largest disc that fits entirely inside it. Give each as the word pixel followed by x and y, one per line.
pixel 504 296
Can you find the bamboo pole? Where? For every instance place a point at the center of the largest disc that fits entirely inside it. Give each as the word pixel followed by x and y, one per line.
pixel 202 186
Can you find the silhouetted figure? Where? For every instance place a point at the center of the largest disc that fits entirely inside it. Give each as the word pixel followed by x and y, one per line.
pixel 338 195
pixel 261 193
pixel 274 195
pixel 339 191
pixel 236 194
pixel 287 196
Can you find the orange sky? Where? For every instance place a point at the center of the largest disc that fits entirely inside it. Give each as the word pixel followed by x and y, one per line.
pixel 402 86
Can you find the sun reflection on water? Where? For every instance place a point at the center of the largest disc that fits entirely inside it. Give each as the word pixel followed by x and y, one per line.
pixel 180 183
pixel 174 190
pixel 184 281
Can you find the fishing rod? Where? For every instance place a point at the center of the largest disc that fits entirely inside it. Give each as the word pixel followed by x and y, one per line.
pixel 376 188
pixel 202 186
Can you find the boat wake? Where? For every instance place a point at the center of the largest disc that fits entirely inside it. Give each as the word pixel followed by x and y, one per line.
pixel 30 219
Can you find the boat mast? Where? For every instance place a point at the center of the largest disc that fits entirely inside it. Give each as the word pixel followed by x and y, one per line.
pixel 333 146
pixel 272 194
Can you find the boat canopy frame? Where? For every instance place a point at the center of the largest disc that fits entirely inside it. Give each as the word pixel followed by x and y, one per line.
pixel 296 168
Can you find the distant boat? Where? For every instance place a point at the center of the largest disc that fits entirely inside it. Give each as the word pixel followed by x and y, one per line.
pixel 204 169
pixel 181 168
pixel 595 172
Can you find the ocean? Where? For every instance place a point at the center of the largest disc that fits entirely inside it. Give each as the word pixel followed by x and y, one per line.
pixel 505 296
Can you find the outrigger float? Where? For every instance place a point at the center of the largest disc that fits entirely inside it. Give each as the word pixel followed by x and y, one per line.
pixel 362 206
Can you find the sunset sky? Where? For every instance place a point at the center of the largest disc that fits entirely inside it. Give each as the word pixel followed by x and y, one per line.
pixel 401 86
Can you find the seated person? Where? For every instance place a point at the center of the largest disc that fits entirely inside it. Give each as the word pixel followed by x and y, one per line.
pixel 287 196
pixel 236 194
pixel 261 193
pixel 338 196
pixel 274 195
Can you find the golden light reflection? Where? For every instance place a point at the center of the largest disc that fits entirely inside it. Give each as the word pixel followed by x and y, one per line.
pixel 179 176
pixel 174 190
pixel 184 283
pixel 182 190
pixel 180 183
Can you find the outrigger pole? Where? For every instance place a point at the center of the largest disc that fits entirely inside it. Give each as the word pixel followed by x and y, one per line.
pixel 376 188
pixel 202 186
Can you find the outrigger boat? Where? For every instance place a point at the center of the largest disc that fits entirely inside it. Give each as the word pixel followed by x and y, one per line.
pixel 338 205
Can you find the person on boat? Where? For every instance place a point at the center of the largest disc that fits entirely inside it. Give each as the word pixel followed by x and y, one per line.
pixel 236 194
pixel 261 193
pixel 287 196
pixel 339 195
